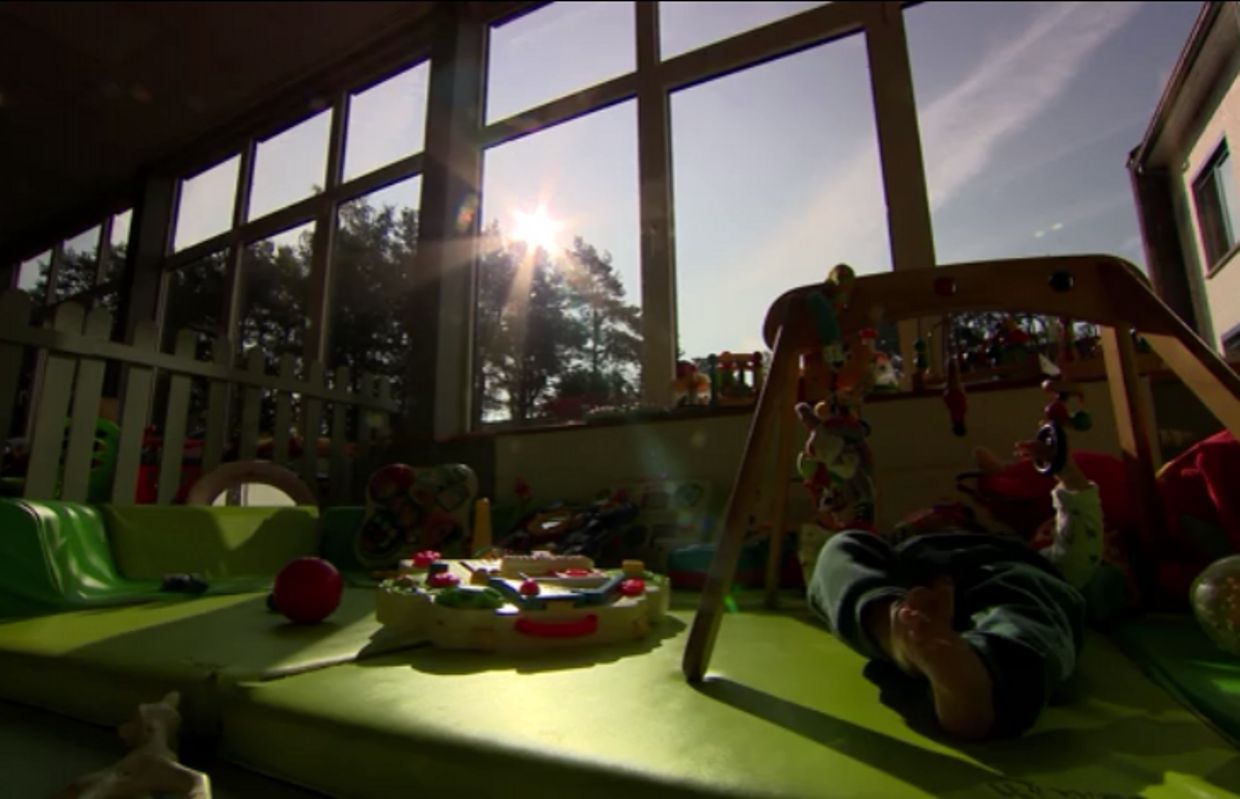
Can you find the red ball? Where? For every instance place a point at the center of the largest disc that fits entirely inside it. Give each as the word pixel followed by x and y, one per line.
pixel 307 590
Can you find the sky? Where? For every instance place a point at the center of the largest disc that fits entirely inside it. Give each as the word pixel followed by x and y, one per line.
pixel 1027 112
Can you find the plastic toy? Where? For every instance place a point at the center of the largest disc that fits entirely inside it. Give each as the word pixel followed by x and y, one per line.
pixel 587 530
pixel 734 379
pixel 151 768
pixel 410 509
pixel 1215 597
pixel 307 590
pixel 522 603
pixel 1056 418
pixel 238 473
pixel 690 387
pixel 836 464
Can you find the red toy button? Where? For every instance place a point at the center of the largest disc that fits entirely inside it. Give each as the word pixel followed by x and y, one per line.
pixel 443 580
pixel 633 587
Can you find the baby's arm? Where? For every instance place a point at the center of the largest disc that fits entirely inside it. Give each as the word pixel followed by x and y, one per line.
pixel 1077 549
pixel 1078 545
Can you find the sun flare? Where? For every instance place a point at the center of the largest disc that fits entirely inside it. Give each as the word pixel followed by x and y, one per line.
pixel 537 229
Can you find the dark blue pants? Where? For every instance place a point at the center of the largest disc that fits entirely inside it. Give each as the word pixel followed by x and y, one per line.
pixel 1011 606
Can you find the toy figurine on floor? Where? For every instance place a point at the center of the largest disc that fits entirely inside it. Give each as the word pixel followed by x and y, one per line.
pixel 152 767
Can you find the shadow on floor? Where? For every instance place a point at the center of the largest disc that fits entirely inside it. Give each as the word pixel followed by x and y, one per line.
pixel 1007 768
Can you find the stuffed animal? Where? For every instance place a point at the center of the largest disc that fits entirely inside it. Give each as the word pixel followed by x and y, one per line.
pixel 836 466
pixel 151 768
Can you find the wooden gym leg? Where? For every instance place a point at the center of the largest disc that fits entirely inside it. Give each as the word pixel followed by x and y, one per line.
pixel 786 428
pixel 1134 421
pixel 776 394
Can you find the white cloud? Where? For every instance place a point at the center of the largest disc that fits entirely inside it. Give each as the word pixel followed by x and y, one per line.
pixel 1013 83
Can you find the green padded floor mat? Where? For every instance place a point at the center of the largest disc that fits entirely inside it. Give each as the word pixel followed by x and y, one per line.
pixel 1176 654
pixel 789 712
pixel 96 664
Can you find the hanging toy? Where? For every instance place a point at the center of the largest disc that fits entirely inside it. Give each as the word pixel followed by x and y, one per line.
pixel 825 306
pixel 1056 410
pixel 1057 417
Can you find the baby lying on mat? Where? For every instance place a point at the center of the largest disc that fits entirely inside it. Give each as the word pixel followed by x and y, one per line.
pixel 992 626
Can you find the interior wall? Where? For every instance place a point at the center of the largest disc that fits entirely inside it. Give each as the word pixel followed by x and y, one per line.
pixel 917 456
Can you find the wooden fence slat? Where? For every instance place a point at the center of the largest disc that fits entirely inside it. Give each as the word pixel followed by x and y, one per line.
pixel 76 345
pixel 86 393
pixel 313 415
pixel 284 410
pixel 15 307
pixel 53 395
pixel 251 407
pixel 173 449
pixel 365 418
pixel 384 396
pixel 217 407
pixel 133 417
pixel 340 478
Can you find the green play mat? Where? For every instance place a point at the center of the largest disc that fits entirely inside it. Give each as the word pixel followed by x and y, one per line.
pixel 1176 654
pixel 791 712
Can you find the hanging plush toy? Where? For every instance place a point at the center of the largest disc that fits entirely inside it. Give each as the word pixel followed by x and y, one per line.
pixel 836 466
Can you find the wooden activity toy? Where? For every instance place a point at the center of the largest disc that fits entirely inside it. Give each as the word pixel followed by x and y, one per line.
pixel 811 324
pixel 520 603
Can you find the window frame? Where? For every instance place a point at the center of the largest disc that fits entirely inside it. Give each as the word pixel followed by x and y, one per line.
pixel 1209 199
pixel 653 81
pixel 454 38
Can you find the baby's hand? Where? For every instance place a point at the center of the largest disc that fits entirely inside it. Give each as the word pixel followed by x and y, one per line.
pixel 1034 449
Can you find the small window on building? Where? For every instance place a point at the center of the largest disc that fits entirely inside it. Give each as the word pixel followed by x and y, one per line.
pixel 1217 195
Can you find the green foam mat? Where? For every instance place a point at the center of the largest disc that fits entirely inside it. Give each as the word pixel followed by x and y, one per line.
pixel 1176 654
pixel 56 555
pixel 788 711
pixel 97 664
pixel 150 541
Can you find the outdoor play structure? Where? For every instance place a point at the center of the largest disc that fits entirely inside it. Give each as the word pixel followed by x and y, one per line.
pixel 1096 288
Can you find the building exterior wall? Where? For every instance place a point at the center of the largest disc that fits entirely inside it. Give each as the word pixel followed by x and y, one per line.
pixel 1220 286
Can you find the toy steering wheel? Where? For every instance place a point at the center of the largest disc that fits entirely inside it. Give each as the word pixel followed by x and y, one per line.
pixel 1053 436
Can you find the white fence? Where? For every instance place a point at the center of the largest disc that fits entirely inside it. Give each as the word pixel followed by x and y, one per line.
pixel 69 385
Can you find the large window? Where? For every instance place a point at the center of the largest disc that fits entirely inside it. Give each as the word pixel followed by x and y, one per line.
pixel 290 166
pixel 559 282
pixel 555 51
pixel 685 26
pixel 257 273
pixel 372 267
pixel 275 288
pixel 1217 198
pixel 647 178
pixel 206 203
pixel 776 180
pixel 32 274
pixel 79 265
pixel 387 121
